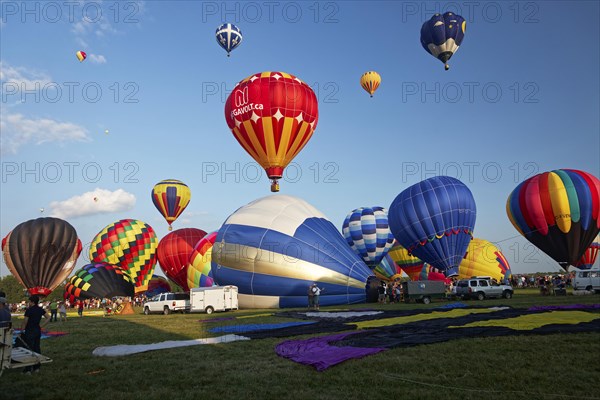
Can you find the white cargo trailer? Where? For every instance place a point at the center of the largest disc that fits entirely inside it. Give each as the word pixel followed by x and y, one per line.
pixel 216 298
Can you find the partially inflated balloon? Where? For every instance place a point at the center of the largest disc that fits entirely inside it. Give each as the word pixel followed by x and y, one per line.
pixel 370 81
pixel 434 220
pixel 588 258
pixel 367 231
pixel 41 253
pixel 229 37
pixel 171 197
pixel 157 285
pixel 129 244
pixel 429 273
pixel 272 115
pixel 388 270
pixel 174 252
pixel 559 212
pixel 199 272
pixel 99 280
pixel 275 247
pixel 408 263
pixel 484 259
pixel 442 35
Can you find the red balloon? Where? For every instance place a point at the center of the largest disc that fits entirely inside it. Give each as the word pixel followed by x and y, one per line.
pixel 174 253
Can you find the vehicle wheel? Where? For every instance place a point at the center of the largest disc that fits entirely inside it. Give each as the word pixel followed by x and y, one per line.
pixel 589 288
pixel 480 296
pixel 426 300
pixel 507 294
pixel 146 311
pixel 166 310
pixel 209 310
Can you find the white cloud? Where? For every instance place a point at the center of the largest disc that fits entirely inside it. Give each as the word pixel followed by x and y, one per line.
pixel 97 58
pixel 18 131
pixel 21 79
pixel 98 201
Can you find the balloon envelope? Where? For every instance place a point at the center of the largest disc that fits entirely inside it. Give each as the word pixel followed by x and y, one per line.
pixel 387 270
pixel 557 211
pixel 409 264
pixel 174 252
pixel 129 244
pixel 442 35
pixel 228 36
pixel 434 220
pixel 99 280
pixel 199 272
pixel 272 116
pixel 484 259
pixel 171 197
pixel 41 253
pixel 81 56
pixel 367 231
pixel 370 81
pixel 157 285
pixel 588 258
pixel 275 247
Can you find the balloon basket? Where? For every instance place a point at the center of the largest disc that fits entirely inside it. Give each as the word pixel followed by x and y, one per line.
pixel 274 187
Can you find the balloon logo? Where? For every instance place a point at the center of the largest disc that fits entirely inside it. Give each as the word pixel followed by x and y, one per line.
pixel 81 56
pixel 199 272
pixel 370 81
pixel 41 253
pixel 171 197
pixel 229 37
pixel 442 35
pixel 274 248
pixel 434 220
pixel 129 244
pixel 557 211
pixel 174 253
pixel 367 231
pixel 272 116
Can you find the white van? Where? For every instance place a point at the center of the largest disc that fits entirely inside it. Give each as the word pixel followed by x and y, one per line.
pixel 211 299
pixel 587 279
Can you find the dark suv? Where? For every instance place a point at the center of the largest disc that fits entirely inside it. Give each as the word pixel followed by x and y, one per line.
pixel 482 287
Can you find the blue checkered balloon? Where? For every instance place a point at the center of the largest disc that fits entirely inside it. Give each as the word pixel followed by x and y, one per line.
pixel 367 231
pixel 229 37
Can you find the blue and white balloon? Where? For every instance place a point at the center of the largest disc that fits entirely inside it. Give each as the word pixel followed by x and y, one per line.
pixel 229 37
pixel 367 231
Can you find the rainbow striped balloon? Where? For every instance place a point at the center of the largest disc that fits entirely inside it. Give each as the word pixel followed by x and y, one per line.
pixel 199 266
pixel 557 211
pixel 171 197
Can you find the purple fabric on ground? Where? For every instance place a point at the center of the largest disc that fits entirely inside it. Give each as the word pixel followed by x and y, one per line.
pixel 216 319
pixel 565 307
pixel 318 353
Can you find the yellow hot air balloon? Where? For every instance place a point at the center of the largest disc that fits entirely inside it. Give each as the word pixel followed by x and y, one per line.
pixel 484 259
pixel 171 197
pixel 370 81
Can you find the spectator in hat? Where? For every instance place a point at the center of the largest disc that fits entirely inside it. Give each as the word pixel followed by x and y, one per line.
pixel 5 318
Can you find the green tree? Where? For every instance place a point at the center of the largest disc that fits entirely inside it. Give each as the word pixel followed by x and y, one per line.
pixel 15 292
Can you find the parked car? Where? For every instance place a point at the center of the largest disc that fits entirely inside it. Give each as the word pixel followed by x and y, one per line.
pixel 481 287
pixel 587 280
pixel 168 303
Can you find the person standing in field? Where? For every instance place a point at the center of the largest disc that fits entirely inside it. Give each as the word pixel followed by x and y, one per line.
pixel 53 310
pixel 80 308
pixel 5 317
pixel 62 311
pixel 32 329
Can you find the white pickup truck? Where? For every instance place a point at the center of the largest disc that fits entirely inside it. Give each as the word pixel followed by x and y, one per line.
pixel 167 303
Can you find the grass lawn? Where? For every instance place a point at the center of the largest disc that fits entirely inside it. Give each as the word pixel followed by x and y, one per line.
pixel 558 366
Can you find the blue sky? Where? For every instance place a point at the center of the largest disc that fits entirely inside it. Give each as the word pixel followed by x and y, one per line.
pixel 522 96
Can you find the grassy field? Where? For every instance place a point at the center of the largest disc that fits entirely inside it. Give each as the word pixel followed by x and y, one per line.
pixel 558 366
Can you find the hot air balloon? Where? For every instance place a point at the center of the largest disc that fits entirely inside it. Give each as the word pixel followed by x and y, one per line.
pixel 429 273
pixel 484 259
pixel 157 285
pixel 588 258
pixel 367 231
pixel 408 263
pixel 129 244
pixel 272 115
pixel 98 280
pixel 229 37
pixel 174 252
pixel 442 35
pixel 370 81
pixel 171 197
pixel 199 272
pixel 557 211
pixel 434 220
pixel 388 270
pixel 41 253
pixel 81 55
pixel 274 248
